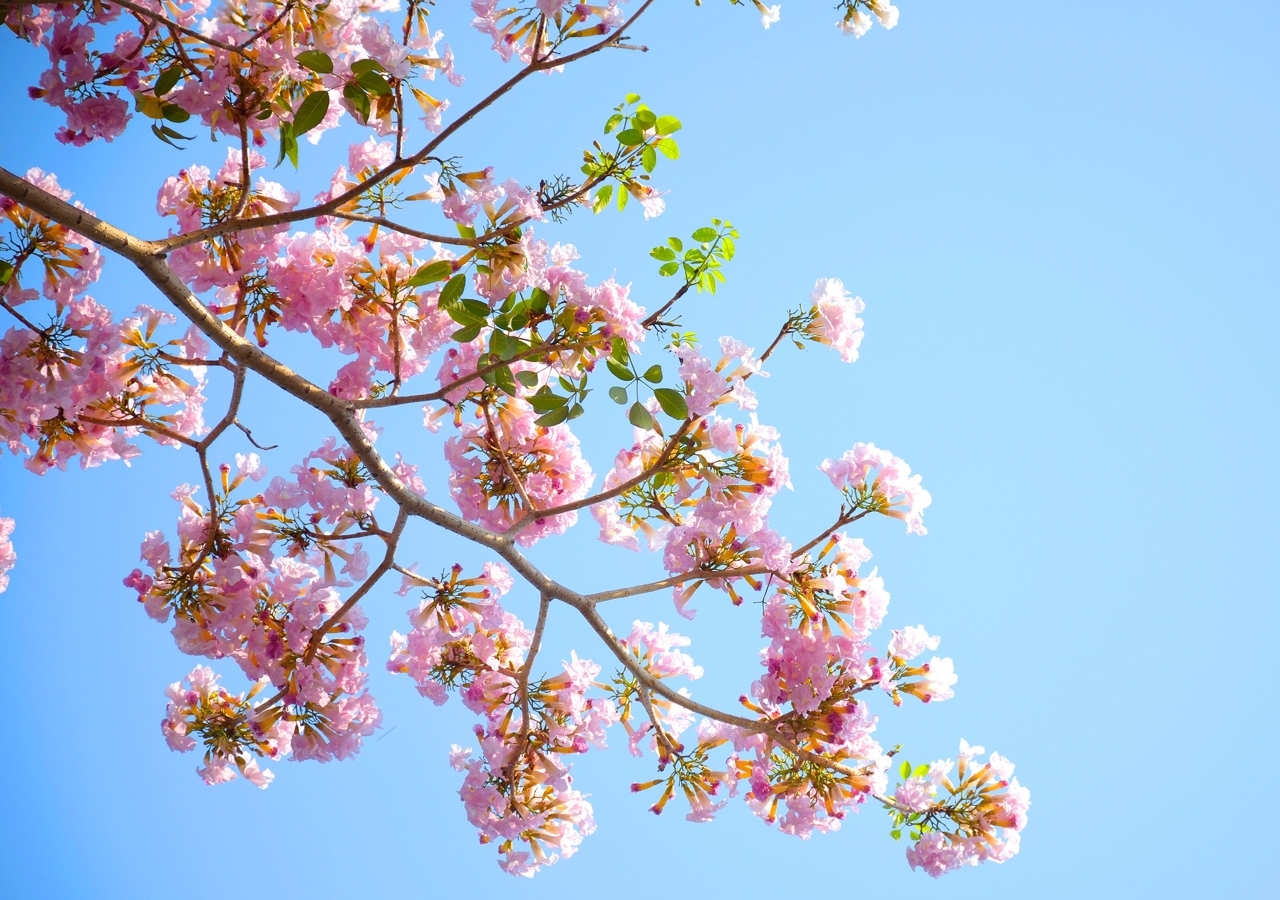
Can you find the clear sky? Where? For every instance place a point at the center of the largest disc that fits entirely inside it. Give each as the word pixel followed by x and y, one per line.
pixel 1064 219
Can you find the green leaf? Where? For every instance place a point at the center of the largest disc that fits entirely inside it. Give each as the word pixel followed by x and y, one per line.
pixel 452 291
pixel 618 350
pixel 566 383
pixel 288 145
pixel 623 197
pixel 168 78
pixel 316 61
pixel 644 119
pixel 506 346
pixel 468 334
pixel 668 125
pixel 905 770
pixel 630 137
pixel 475 310
pixel 6 272
pixel 921 770
pixel 617 393
pixel 613 122
pixel 602 198
pixel 620 372
pixel 358 99
pixel 546 399
pixel 648 159
pixel 174 113
pixel 676 244
pixel 704 235
pixel 503 380
pixel 169 132
pixel 896 834
pixel 538 300
pixel 672 402
pixel 528 379
pixel 555 417
pixel 633 98
pixel 639 417
pixel 361 66
pixel 662 253
pixel 576 410
pixel 374 84
pixel 311 112
pixel 430 273
pixel 653 374
pixel 667 147
pixel 670 268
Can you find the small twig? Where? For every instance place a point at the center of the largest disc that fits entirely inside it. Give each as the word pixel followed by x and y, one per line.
pixel 388 561
pixel 523 686
pixel 615 491
pixel 248 434
pixel 674 581
pixel 506 463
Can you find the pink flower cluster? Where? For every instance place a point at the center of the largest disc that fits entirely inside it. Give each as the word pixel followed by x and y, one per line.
pixel 8 557
pixel 857 23
pixel 816 664
pixel 51 382
pixel 817 625
pixel 77 80
pixel 605 309
pixel 504 469
pixel 874 480
pixel 84 384
pixel 517 792
pixel 225 723
pixel 658 652
pixel 196 198
pixel 222 87
pixel 514 32
pixel 984 801
pixel 833 318
pixel 935 678
pixel 707 504
pixel 326 285
pixel 460 634
pixel 256 580
pixel 70 261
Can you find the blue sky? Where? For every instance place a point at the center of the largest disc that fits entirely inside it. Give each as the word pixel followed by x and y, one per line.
pixel 1064 222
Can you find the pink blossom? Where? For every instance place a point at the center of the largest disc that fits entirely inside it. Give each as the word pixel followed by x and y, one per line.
pixel 835 319
pixel 908 643
pixel 8 558
pixel 876 480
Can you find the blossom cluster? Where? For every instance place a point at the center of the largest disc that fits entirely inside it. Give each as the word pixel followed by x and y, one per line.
pixel 833 318
pixel 518 791
pixel 703 495
pixel 84 384
pixel 257 580
pixel 238 69
pixel 505 468
pixel 971 817
pixel 8 556
pixel 874 480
